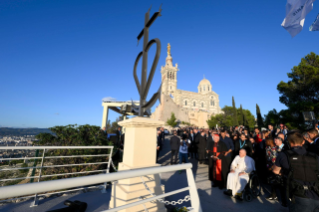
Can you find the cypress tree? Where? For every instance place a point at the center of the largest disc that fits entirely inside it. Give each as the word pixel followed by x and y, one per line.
pixel 246 123
pixel 235 120
pixel 260 122
pixel 241 118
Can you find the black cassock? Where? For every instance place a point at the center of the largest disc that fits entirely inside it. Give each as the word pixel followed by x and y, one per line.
pixel 215 168
pixel 201 147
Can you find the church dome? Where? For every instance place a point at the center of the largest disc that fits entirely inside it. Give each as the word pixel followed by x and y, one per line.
pixel 204 82
pixel 204 86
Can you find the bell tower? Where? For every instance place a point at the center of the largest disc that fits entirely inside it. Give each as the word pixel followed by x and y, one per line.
pixel 169 74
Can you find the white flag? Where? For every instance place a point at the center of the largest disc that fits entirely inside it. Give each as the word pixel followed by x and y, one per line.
pixel 315 25
pixel 296 11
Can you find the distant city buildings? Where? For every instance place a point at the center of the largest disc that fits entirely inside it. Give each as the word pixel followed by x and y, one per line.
pixel 26 140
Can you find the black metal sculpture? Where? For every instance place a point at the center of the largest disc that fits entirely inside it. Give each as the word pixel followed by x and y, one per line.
pixel 144 86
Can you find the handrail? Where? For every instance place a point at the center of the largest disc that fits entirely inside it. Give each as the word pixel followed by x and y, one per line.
pixel 55 147
pixel 51 165
pixel 26 189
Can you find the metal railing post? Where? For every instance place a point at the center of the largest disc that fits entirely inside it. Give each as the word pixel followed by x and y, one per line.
pixel 108 169
pixel 35 202
pixel 114 193
pixel 195 203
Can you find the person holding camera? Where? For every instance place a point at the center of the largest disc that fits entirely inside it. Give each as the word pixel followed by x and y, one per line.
pixel 301 177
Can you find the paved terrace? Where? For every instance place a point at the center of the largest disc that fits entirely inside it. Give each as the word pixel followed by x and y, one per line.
pixel 212 199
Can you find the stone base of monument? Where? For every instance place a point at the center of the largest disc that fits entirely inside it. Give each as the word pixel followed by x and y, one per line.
pixel 139 152
pixel 133 189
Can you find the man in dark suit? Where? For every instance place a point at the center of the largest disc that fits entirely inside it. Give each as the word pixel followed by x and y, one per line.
pixel 174 143
pixel 163 134
pixel 202 145
pixel 193 148
pixel 312 141
pixel 118 136
pixel 196 137
pixel 228 155
pixel 159 144
pixel 280 144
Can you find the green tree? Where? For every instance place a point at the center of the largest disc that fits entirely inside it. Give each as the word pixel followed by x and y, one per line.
pixel 301 92
pixel 226 119
pixel 73 135
pixel 260 121
pixel 272 117
pixel 112 127
pixel 241 116
pixel 172 121
pixel 221 119
pixel 235 120
pixel 249 119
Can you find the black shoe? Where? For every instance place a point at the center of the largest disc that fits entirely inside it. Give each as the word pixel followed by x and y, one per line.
pixel 284 205
pixel 272 198
pixel 228 192
pixel 239 197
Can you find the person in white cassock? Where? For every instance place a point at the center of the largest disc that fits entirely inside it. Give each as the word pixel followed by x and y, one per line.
pixel 238 176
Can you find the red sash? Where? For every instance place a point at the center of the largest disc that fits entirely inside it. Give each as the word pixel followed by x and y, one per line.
pixel 217 166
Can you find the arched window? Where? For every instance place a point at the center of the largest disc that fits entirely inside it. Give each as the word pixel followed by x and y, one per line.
pixel 194 104
pixel 212 103
pixel 204 88
pixel 212 97
pixel 207 88
pixel 202 104
pixel 167 75
pixel 200 89
pixel 170 87
pixel 185 102
pixel 170 75
pixel 173 76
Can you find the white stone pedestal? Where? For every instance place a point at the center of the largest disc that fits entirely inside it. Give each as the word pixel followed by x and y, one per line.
pixel 139 152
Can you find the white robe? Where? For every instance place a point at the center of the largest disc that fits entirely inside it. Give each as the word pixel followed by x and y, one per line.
pixel 237 183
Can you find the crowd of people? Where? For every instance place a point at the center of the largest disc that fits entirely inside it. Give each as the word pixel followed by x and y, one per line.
pixel 232 154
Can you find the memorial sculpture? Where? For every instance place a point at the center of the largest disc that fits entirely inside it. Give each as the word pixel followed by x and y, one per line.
pixel 140 136
pixel 144 86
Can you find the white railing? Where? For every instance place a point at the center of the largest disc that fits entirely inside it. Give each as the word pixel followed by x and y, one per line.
pixel 26 189
pixel 108 161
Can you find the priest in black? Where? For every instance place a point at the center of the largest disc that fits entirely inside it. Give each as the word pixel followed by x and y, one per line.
pixel 216 157
pixel 228 155
pixel 201 147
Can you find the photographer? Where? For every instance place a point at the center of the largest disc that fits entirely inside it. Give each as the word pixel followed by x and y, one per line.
pixel 300 171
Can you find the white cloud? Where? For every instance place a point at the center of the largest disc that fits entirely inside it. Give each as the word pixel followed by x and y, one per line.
pixel 107 99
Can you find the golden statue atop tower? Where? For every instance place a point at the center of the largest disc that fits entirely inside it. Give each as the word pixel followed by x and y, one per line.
pixel 168 49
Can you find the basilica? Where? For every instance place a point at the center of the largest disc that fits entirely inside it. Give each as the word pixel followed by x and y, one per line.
pixel 194 108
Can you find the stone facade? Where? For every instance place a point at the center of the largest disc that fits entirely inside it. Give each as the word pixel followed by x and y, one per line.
pixel 187 106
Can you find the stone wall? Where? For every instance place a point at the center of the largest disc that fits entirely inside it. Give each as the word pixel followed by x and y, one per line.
pixel 164 110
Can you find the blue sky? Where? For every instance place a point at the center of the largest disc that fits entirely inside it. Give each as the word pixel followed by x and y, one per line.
pixel 58 59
